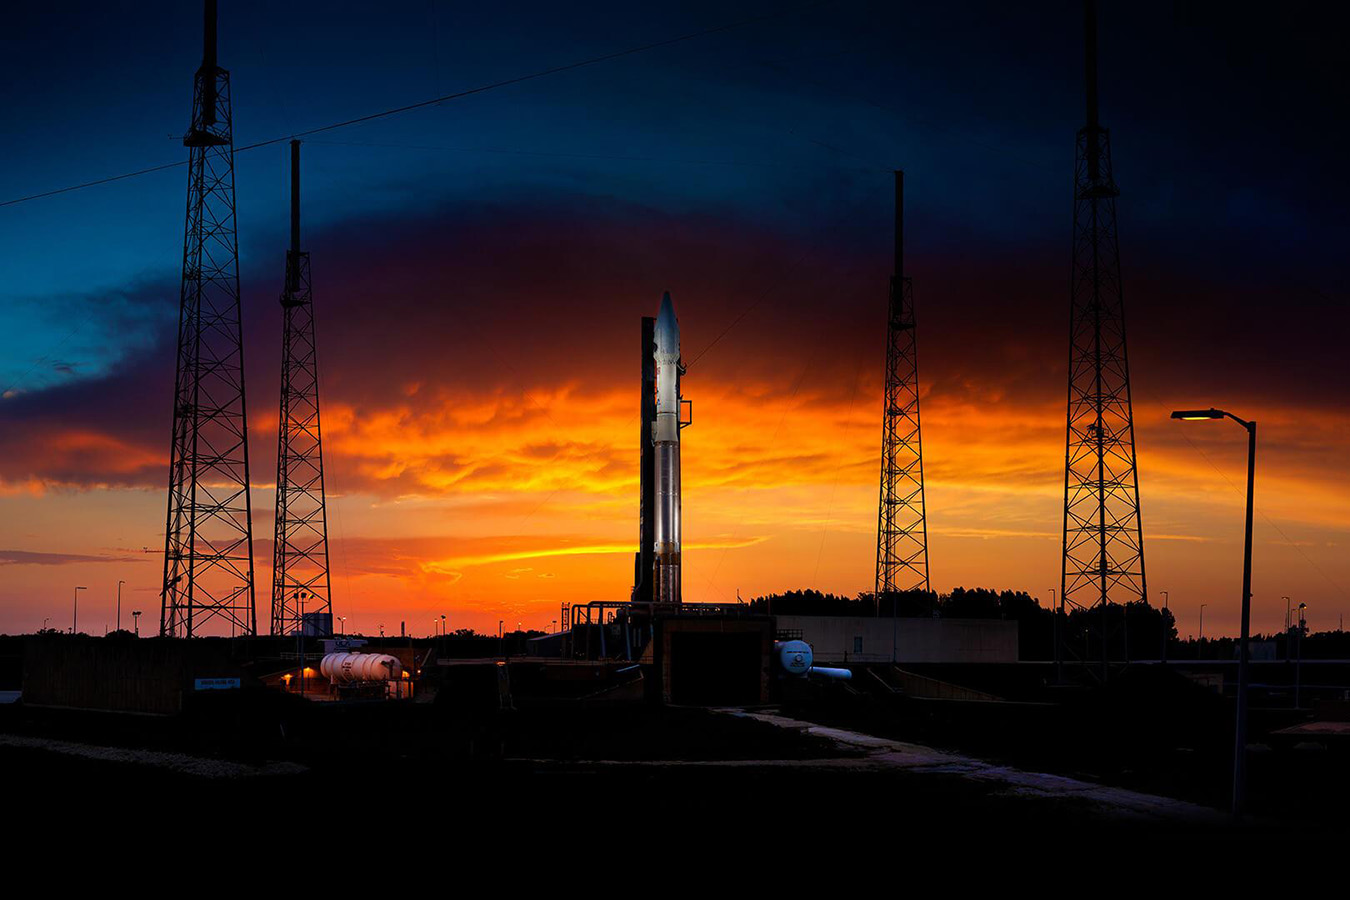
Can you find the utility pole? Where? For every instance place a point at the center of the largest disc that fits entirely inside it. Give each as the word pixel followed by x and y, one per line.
pixel 1103 534
pixel 1298 665
pixel 902 527
pixel 75 615
pixel 1057 613
pixel 208 535
pixel 300 545
pixel 1165 627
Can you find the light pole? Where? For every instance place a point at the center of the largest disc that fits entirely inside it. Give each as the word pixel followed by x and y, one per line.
pixel 1055 615
pixel 1165 628
pixel 342 626
pixel 119 604
pixel 136 619
pixel 1240 739
pixel 1298 664
pixel 75 616
pixel 1288 629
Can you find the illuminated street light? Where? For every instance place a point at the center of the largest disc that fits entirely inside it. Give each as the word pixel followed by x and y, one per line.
pixel 1240 739
pixel 1198 415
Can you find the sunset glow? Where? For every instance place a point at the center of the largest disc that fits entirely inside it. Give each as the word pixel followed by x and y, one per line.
pixel 478 309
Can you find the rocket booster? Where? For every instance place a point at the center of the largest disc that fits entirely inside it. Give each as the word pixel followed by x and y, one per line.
pixel 666 441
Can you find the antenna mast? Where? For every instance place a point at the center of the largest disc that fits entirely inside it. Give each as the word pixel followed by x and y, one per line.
pixel 1103 531
pixel 902 529
pixel 208 535
pixel 301 588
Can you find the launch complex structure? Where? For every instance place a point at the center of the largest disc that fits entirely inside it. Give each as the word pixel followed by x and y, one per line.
pixel 209 577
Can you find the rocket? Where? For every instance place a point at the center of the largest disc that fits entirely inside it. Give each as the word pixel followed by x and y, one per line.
pixel 666 442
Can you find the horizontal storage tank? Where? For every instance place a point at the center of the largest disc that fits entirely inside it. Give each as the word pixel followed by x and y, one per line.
pixel 348 668
pixel 794 657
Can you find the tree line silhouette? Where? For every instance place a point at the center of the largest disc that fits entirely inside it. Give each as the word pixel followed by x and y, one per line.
pixel 1133 630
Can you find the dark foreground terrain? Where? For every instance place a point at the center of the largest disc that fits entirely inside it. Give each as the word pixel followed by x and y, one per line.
pixel 574 780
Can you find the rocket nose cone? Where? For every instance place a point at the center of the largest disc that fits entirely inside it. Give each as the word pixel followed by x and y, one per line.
pixel 667 331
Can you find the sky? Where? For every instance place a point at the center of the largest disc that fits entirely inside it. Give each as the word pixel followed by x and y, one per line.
pixel 480 267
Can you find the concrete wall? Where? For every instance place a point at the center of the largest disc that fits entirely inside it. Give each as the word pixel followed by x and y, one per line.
pixel 122 675
pixel 837 639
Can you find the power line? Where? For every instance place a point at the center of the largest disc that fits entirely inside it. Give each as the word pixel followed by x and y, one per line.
pixel 609 157
pixel 481 89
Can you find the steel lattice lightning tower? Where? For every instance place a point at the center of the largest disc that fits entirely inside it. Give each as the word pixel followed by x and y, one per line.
pixel 208 540
pixel 902 531
pixel 300 581
pixel 1103 534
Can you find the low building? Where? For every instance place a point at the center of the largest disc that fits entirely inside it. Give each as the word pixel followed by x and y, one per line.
pixel 839 640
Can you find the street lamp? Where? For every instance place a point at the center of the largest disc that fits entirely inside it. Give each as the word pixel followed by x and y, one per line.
pixel 75 616
pixel 136 619
pixel 342 626
pixel 119 604
pixel 1240 739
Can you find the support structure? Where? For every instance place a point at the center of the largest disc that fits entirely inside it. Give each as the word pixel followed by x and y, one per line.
pixel 301 588
pixel 208 534
pixel 902 528
pixel 643 581
pixel 1103 533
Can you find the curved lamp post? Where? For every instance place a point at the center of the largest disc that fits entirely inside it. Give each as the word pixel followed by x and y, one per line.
pixel 75 613
pixel 1240 740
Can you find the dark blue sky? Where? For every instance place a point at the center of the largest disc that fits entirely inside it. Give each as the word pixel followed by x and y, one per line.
pixel 1228 124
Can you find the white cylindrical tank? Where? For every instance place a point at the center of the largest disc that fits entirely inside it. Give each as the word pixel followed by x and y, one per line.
pixel 347 667
pixel 794 657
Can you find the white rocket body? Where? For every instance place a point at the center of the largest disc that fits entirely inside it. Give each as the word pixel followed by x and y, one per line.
pixel 666 441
